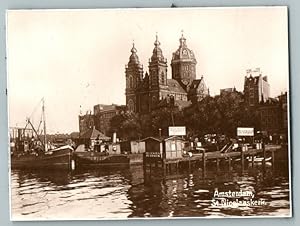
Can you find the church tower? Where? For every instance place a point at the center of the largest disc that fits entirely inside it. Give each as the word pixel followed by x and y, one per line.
pixel 184 65
pixel 134 77
pixel 157 75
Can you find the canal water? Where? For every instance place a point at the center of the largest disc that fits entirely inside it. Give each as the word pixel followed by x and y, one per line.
pixel 124 193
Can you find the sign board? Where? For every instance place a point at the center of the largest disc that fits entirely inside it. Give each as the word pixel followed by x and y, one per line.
pixel 199 144
pixel 245 131
pixel 177 131
pixel 153 155
pixel 114 137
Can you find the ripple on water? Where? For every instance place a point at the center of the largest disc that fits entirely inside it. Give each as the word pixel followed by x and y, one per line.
pixel 95 195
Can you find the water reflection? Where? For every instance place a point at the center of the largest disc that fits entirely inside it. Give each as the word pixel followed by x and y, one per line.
pixel 113 193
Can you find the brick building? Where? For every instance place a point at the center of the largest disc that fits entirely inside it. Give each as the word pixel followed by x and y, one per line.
pixel 256 87
pixel 86 122
pixel 273 116
pixel 100 118
pixel 104 114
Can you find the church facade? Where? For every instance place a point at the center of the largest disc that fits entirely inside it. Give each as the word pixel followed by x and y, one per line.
pixel 145 92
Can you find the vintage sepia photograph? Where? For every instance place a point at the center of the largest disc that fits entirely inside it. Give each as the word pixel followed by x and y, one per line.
pixel 149 113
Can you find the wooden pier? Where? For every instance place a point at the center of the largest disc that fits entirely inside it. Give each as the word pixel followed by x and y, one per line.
pixel 153 161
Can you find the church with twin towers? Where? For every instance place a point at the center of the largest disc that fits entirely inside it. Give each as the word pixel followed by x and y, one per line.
pixel 151 90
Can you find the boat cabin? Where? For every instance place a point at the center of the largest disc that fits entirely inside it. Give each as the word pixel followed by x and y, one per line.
pixel 92 137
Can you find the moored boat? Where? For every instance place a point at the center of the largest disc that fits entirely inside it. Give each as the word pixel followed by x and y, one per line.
pixel 59 158
pixel 87 158
pixel 34 152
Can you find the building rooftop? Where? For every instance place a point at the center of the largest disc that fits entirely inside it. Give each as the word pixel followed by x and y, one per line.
pixel 93 134
pixel 174 86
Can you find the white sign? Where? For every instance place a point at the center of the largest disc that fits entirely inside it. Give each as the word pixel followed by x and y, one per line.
pixel 244 131
pixel 114 137
pixel 177 131
pixel 199 144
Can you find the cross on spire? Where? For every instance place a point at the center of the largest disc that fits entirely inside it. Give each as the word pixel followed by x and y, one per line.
pixel 182 39
pixel 133 49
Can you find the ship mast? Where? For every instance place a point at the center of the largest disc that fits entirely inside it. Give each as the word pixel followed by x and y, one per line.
pixel 44 122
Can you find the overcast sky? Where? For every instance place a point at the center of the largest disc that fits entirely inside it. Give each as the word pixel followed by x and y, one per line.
pixel 78 57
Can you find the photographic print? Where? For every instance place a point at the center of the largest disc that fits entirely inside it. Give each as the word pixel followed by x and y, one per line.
pixel 148 113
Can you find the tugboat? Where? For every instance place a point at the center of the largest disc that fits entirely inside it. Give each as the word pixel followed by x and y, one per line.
pixel 35 153
pixel 95 151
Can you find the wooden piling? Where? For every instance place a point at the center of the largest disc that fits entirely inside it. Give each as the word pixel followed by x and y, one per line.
pixel 229 164
pixel 242 159
pixel 273 160
pixel 252 161
pixel 164 167
pixel 218 164
pixel 203 162
pixel 264 156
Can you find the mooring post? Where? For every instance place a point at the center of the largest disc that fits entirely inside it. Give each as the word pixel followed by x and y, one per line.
pixel 229 164
pixel 252 160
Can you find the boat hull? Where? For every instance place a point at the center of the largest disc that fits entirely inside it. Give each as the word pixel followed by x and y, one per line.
pixel 60 159
pixel 97 160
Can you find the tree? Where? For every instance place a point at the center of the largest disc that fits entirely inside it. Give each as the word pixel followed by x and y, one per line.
pixel 127 126
pixel 221 114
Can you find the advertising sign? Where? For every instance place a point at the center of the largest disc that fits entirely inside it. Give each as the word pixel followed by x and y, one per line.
pixel 177 131
pixel 245 131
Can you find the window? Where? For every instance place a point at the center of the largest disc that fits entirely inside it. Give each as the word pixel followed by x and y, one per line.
pixel 162 78
pixel 131 105
pixel 130 82
pixel 173 146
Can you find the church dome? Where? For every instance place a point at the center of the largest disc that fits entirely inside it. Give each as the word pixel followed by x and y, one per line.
pixel 183 53
pixel 133 59
pixel 157 52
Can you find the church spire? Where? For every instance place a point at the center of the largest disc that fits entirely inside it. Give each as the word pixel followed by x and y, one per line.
pixel 182 40
pixel 156 43
pixel 157 52
pixel 133 57
pixel 133 49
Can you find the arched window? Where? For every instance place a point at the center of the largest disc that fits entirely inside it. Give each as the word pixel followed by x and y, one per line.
pixel 127 82
pixel 131 105
pixel 162 79
pixel 130 82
